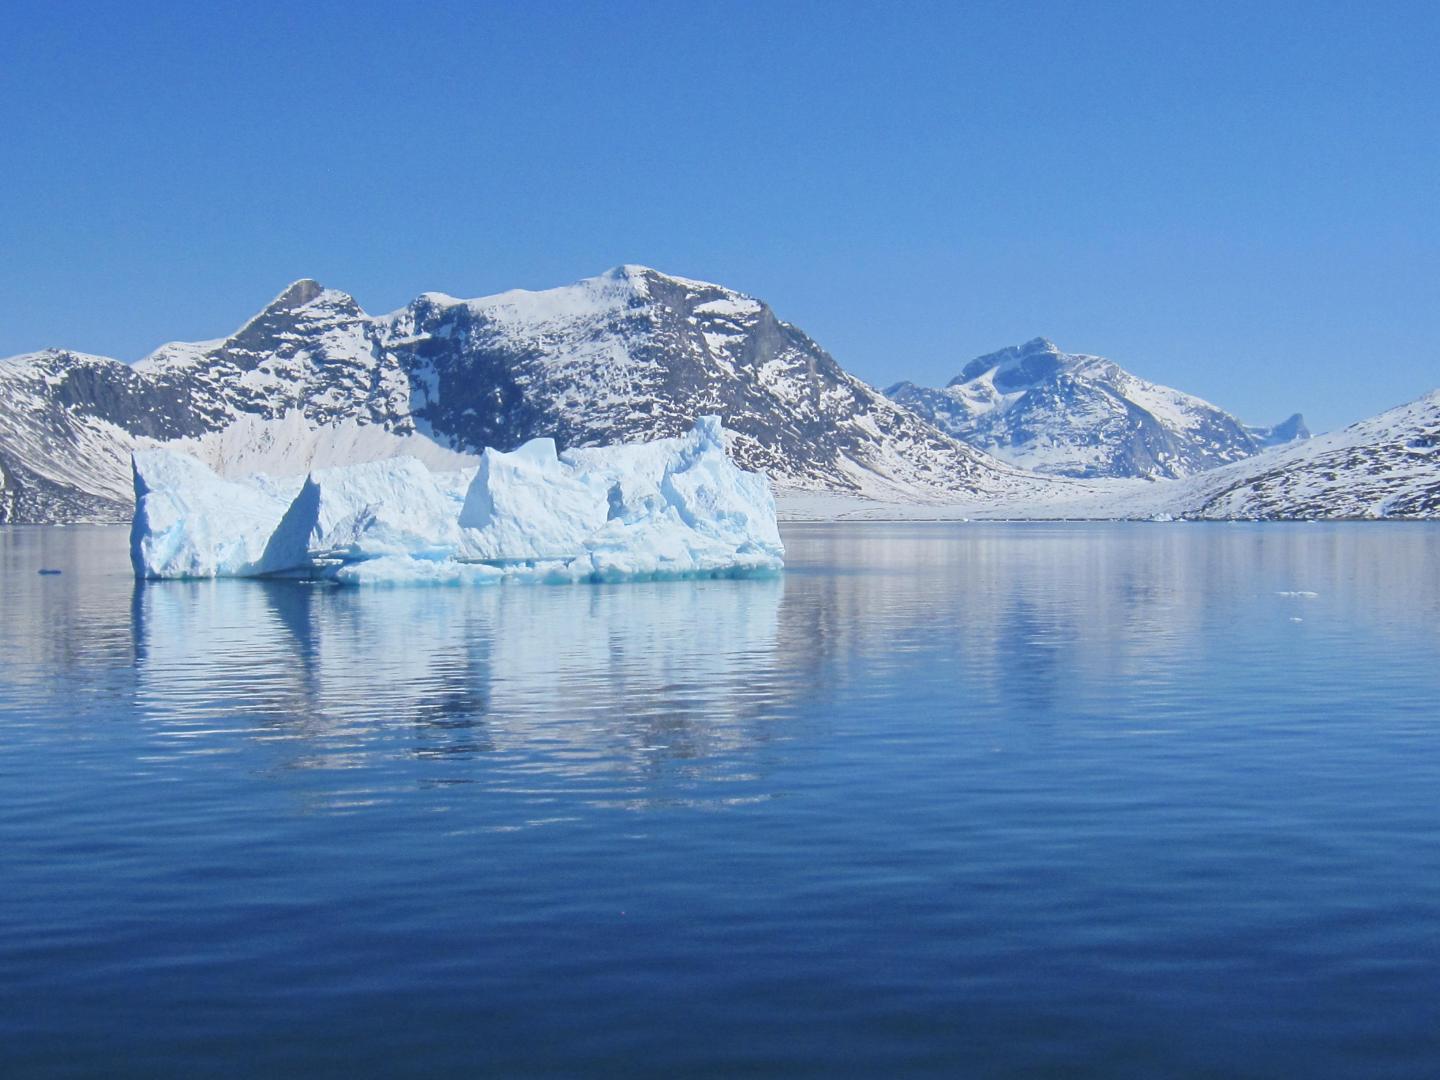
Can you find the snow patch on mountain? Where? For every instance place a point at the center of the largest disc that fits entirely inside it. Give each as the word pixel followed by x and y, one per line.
pixel 291 444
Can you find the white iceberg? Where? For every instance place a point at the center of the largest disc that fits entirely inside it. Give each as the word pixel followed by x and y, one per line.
pixel 670 508
pixel 357 512
pixel 190 523
pixel 530 505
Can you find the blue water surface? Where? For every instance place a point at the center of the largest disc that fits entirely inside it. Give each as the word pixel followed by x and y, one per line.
pixel 951 800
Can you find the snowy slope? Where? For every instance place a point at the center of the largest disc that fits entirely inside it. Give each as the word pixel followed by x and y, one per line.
pixel 69 422
pixel 1384 467
pixel 1069 414
pixel 314 380
pixel 63 456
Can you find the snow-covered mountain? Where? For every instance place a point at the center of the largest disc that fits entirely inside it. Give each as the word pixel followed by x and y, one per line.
pixel 1385 467
pixel 1069 414
pixel 630 355
pixel 634 355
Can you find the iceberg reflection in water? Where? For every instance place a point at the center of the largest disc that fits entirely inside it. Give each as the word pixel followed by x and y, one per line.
pixel 958 799
pixel 604 679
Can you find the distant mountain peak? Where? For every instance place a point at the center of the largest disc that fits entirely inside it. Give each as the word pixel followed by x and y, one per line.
pixel 296 294
pixel 643 276
pixel 1291 429
pixel 630 272
pixel 1036 359
pixel 305 298
pixel 1074 414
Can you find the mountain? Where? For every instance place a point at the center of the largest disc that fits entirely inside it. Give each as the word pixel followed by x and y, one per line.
pixel 1289 430
pixel 313 379
pixel 1385 467
pixel 633 354
pixel 1069 414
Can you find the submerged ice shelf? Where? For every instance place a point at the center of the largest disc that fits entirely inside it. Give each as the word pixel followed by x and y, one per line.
pixel 670 508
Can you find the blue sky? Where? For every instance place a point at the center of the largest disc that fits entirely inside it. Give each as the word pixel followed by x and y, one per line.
pixel 1236 199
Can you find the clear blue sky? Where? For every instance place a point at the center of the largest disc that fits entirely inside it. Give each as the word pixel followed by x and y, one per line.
pixel 1242 200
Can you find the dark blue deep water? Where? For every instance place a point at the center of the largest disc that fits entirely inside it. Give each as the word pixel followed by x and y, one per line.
pixel 951 800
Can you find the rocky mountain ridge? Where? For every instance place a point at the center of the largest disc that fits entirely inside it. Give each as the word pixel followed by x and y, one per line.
pixel 629 355
pixel 313 380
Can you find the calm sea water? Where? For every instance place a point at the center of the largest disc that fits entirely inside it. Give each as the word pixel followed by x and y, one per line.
pixel 944 799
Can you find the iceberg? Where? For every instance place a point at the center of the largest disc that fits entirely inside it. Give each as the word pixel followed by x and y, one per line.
pixel 530 505
pixel 670 508
pixel 190 523
pixel 356 512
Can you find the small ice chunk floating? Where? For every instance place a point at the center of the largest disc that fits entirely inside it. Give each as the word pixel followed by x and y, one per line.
pixel 670 508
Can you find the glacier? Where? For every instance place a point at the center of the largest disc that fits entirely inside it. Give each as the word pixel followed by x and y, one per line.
pixel 675 507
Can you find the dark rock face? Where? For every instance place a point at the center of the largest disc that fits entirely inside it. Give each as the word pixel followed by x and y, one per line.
pixel 630 355
pixel 1074 415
